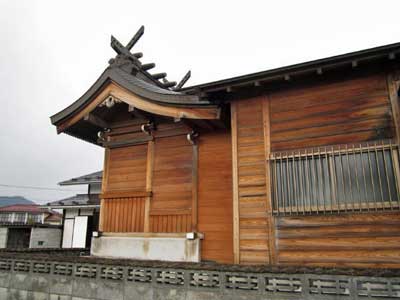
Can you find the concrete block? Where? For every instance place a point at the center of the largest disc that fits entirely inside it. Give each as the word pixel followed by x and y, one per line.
pixel 3 293
pixel 59 297
pixel 21 281
pixel 15 294
pixel 38 296
pixel 204 295
pixel 39 283
pixel 147 248
pixel 84 288
pixel 79 298
pixel 61 285
pixel 4 279
pixel 169 294
pixel 110 290
pixel 138 291
pixel 3 237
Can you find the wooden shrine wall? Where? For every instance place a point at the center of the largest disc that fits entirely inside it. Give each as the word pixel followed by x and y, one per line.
pixel 215 219
pixel 334 112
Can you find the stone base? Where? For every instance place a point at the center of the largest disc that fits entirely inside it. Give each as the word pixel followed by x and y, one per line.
pixel 147 248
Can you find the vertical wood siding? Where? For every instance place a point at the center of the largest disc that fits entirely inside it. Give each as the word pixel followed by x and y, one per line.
pixel 171 204
pixel 340 112
pixel 123 214
pixel 253 223
pixel 215 197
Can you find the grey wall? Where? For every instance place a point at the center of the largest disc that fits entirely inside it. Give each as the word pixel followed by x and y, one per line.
pixel 3 237
pixel 50 236
pixel 30 279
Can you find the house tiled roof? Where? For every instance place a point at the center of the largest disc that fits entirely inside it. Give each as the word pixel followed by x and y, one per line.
pixel 95 177
pixel 77 200
pixel 31 208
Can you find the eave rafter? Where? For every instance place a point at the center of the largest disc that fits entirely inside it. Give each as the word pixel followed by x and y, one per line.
pixel 115 91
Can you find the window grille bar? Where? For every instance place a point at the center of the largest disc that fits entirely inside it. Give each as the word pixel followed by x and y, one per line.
pixel 345 178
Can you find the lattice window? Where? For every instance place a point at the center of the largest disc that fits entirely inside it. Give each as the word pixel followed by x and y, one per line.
pixel 277 284
pixel 62 269
pixel 139 275
pixel 329 286
pixel 241 282
pixel 114 273
pixel 86 271
pixel 170 277
pixel 5 265
pixel 22 266
pixel 385 289
pixel 41 267
pixel 341 178
pixel 203 279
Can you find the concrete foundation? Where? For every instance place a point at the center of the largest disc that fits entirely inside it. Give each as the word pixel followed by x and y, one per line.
pixel 147 248
pixel 3 237
pixel 45 238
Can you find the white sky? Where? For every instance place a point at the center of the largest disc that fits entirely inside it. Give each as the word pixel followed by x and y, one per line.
pixel 52 51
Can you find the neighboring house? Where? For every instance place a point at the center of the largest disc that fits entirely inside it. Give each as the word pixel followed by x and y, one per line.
pixel 29 226
pixel 80 212
pixel 292 166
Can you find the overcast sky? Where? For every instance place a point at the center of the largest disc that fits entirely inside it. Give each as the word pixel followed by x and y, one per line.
pixel 52 51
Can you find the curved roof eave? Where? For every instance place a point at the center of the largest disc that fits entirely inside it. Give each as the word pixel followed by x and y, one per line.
pixel 135 85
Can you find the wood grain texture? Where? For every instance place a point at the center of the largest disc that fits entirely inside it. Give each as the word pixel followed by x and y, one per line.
pixel 370 240
pixel 340 112
pixel 252 143
pixel 171 204
pixel 123 214
pixel 215 210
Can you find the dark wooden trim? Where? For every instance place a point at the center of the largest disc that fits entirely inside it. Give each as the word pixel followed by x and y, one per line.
pixel 125 194
pixel 393 86
pixel 149 184
pixel 130 142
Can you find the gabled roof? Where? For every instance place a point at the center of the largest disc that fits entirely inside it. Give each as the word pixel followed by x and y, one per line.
pixel 79 200
pixel 30 208
pixel 128 78
pixel 95 177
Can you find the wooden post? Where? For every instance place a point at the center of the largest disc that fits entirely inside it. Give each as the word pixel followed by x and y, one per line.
pixel 149 184
pixel 392 86
pixel 267 151
pixel 195 165
pixel 236 232
pixel 104 188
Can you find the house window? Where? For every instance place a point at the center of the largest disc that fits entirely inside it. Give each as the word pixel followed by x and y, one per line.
pixel 342 178
pixel 5 218
pixel 19 218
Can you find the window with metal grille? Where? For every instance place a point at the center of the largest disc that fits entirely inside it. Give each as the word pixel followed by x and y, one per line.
pixel 340 178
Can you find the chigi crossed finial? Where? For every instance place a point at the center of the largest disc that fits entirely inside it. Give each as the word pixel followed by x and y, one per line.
pixel 134 57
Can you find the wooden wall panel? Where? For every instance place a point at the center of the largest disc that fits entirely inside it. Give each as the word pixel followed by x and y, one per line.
pixel 172 185
pixel 252 189
pixel 127 168
pixel 355 240
pixel 123 214
pixel 340 112
pixel 215 219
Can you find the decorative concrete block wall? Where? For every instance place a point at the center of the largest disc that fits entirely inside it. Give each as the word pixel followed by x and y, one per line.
pixel 32 279
pixel 3 237
pixel 45 238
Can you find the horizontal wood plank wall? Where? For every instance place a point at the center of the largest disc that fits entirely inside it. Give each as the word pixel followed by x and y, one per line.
pixel 123 214
pixel 170 207
pixel 253 224
pixel 348 111
pixel 215 219
pixel 359 240
pixel 127 168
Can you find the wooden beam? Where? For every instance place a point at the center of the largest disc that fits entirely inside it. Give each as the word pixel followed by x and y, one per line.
pixel 149 184
pixel 195 168
pixel 114 90
pixel 104 187
pixel 149 66
pixel 135 38
pixel 235 182
pixel 128 142
pixel 95 120
pixel 125 194
pixel 393 84
pixel 269 208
